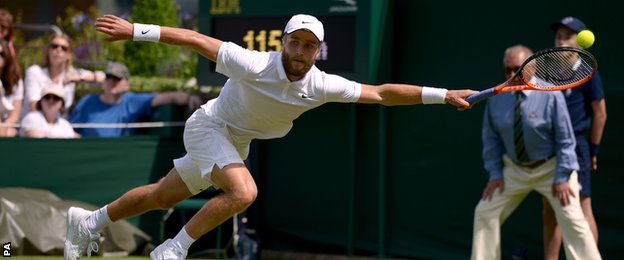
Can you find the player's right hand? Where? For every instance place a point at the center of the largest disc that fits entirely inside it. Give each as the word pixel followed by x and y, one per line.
pixel 117 28
pixel 458 98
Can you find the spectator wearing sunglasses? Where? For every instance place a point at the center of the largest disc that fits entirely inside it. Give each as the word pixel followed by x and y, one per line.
pixel 11 91
pixel 46 121
pixel 56 70
pixel 117 105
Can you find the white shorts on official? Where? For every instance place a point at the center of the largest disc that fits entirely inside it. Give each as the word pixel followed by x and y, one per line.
pixel 208 141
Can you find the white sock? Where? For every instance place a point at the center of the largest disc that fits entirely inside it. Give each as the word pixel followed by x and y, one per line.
pixel 98 219
pixel 183 240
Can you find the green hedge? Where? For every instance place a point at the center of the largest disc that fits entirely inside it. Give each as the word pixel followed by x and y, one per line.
pixel 173 65
pixel 155 84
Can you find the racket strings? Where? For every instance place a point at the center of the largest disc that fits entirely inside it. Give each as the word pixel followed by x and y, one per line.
pixel 553 70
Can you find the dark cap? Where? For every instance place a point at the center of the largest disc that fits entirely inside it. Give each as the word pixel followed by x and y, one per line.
pixel 118 70
pixel 573 23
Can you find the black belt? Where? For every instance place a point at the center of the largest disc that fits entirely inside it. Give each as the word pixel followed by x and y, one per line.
pixel 536 163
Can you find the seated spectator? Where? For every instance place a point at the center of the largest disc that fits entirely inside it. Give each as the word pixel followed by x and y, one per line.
pixel 56 70
pixel 6 30
pixel 46 121
pixel 118 105
pixel 11 91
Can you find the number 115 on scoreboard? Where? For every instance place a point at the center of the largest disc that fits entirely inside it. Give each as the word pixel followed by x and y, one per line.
pixel 272 42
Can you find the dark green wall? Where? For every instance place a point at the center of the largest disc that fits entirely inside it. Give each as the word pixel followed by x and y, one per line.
pixel 417 173
pixel 460 45
pixel 91 170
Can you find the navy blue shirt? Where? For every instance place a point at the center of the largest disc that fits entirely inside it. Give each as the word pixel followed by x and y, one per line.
pixel 579 101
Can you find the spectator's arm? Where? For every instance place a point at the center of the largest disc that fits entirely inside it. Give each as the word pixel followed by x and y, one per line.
pixel 82 75
pixel 34 134
pixel 599 121
pixel 179 98
pixel 15 113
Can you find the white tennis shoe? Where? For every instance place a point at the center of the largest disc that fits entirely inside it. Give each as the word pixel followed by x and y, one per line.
pixel 168 251
pixel 79 238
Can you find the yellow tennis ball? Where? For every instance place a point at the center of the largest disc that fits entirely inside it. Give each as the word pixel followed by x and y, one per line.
pixel 585 39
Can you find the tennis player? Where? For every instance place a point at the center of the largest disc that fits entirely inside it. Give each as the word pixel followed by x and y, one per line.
pixel 265 92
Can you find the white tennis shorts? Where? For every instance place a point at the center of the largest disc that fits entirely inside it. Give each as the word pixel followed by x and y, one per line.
pixel 208 142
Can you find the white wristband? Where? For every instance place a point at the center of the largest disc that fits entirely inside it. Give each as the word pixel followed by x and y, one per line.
pixel 146 32
pixel 433 95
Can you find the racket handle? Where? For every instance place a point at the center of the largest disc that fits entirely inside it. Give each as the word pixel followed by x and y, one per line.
pixel 481 96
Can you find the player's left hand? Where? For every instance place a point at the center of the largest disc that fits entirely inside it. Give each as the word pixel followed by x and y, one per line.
pixel 594 163
pixel 458 98
pixel 563 193
pixel 117 28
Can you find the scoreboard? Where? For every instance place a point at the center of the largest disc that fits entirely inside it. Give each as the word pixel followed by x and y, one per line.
pixel 258 25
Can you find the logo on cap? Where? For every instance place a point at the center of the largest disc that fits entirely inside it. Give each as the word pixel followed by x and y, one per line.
pixel 305 22
pixel 567 20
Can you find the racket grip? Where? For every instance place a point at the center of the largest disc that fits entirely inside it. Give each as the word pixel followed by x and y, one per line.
pixel 481 96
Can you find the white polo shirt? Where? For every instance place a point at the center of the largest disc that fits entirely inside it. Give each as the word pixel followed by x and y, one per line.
pixel 259 102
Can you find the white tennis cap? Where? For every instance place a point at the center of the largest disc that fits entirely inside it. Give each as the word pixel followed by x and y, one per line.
pixel 55 90
pixel 305 22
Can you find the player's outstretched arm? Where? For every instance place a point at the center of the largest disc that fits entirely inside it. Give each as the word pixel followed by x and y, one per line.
pixel 402 94
pixel 120 29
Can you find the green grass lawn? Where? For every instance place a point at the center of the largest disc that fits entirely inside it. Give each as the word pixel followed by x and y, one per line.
pixel 86 258
pixel 61 257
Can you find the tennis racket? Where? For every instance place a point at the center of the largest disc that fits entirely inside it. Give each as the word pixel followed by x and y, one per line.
pixel 552 69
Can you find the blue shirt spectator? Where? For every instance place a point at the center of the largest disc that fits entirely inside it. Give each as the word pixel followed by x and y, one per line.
pixel 91 109
pixel 547 132
pixel 116 105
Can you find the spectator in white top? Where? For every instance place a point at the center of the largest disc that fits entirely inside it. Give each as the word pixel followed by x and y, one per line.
pixel 46 121
pixel 11 91
pixel 56 70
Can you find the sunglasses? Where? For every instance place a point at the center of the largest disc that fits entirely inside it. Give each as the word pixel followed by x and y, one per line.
pixel 510 70
pixel 56 46
pixel 51 98
pixel 112 77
